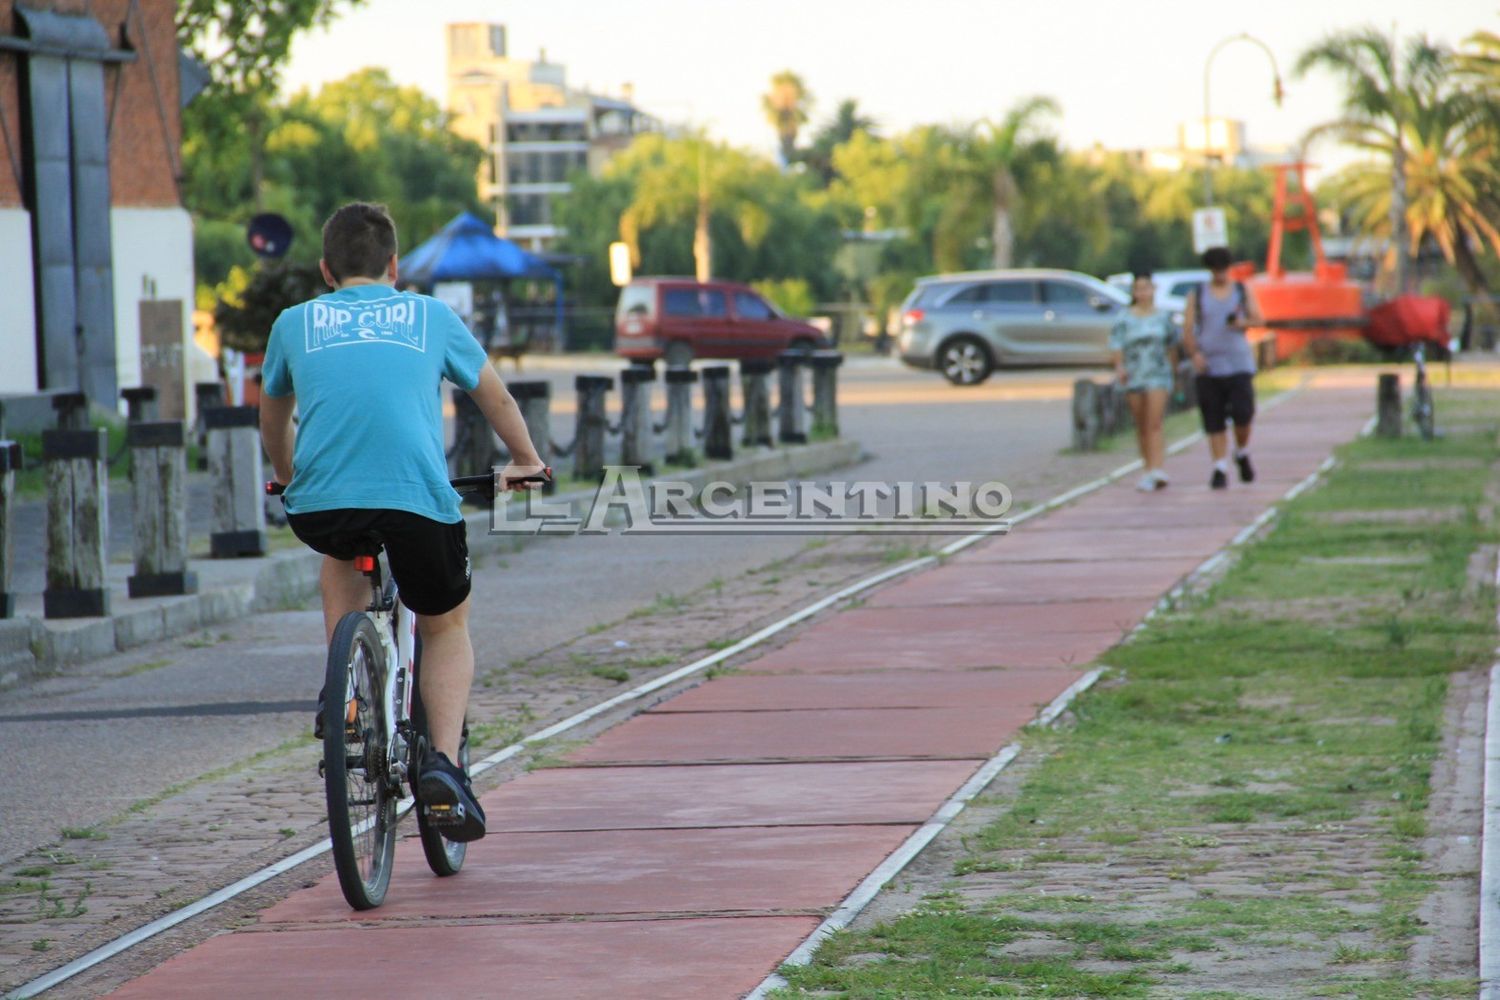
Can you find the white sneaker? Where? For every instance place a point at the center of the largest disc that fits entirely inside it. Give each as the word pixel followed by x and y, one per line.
pixel 1162 479
pixel 1146 484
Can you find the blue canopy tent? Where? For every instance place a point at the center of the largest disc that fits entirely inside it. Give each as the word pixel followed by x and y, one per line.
pixel 467 249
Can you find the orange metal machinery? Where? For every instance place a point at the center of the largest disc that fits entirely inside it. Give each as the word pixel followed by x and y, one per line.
pixel 1300 307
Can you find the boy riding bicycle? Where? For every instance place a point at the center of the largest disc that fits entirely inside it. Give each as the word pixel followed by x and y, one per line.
pixel 365 467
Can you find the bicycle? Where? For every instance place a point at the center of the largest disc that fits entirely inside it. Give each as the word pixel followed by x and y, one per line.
pixel 375 732
pixel 1421 397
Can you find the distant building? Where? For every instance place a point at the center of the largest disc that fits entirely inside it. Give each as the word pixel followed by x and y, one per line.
pixel 1222 142
pixel 91 216
pixel 534 128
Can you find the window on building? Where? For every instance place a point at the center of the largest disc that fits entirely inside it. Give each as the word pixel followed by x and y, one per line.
pixel 529 210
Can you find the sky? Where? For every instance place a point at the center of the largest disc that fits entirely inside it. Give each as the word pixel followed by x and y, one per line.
pixel 1125 74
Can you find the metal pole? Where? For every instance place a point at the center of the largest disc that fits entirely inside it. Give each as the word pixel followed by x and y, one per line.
pixel 1276 94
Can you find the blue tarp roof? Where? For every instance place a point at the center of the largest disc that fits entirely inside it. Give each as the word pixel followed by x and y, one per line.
pixel 467 249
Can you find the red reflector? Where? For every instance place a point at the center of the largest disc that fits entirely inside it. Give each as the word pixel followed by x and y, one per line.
pixel 914 316
pixel 365 564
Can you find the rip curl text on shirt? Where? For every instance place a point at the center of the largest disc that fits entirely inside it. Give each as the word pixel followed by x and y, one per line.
pixel 400 320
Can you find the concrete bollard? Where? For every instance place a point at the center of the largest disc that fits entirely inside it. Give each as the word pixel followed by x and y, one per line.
pixel 791 407
pixel 10 463
pixel 679 425
pixel 1111 400
pixel 535 400
pixel 755 386
pixel 234 462
pixel 77 519
pixel 1086 414
pixel 718 424
pixel 593 424
pixel 1388 406
pixel 825 385
pixel 72 409
pixel 474 448
pixel 158 493
pixel 635 416
pixel 140 404
pixel 206 396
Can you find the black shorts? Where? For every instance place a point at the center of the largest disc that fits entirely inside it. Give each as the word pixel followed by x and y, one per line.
pixel 1222 398
pixel 429 559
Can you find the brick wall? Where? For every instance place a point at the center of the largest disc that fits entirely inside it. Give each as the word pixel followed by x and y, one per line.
pixel 145 132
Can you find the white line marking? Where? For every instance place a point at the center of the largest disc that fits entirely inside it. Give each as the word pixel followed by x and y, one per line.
pixel 893 865
pixel 109 950
pixel 1489 853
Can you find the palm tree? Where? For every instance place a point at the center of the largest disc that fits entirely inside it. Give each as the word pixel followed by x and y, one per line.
pixel 989 155
pixel 787 105
pixel 1385 90
pixel 1450 184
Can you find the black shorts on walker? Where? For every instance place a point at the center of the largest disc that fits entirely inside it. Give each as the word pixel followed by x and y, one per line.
pixel 428 559
pixel 1222 398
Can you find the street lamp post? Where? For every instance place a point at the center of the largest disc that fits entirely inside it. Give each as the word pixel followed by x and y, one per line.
pixel 1276 94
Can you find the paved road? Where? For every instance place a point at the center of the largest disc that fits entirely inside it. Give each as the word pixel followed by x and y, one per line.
pixel 108 735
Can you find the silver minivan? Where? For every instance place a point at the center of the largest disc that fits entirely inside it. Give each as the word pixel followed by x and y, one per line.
pixel 966 325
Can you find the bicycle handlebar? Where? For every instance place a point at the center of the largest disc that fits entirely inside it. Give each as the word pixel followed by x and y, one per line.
pixel 465 485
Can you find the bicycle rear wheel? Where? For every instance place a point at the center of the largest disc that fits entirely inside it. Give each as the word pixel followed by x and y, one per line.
pixel 361 800
pixel 445 857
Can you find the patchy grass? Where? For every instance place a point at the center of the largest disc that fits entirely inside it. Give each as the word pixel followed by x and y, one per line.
pixel 618 675
pixel 1212 796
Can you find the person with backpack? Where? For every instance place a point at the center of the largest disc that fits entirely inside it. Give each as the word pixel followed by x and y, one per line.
pixel 1218 314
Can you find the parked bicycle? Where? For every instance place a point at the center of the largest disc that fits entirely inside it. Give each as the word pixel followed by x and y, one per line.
pixel 375 732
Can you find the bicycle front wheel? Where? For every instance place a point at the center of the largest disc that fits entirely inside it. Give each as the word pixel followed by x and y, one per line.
pixel 361 799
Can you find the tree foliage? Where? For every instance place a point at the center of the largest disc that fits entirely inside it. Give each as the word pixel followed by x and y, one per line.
pixel 1425 120
pixel 359 138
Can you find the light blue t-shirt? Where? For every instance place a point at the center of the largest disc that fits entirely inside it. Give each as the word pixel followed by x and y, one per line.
pixel 366 365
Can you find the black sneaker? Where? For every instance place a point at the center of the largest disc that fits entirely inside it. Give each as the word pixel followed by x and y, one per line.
pixel 1219 481
pixel 1247 471
pixel 448 800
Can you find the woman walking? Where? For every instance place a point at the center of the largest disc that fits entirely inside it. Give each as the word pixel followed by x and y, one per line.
pixel 1144 342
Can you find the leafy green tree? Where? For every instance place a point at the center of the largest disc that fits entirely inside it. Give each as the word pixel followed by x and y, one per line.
pixel 243 44
pixel 360 138
pixel 834 133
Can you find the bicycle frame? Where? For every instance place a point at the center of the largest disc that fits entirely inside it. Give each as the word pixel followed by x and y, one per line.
pixel 396 625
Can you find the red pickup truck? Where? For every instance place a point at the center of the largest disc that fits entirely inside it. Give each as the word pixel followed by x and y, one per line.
pixel 681 319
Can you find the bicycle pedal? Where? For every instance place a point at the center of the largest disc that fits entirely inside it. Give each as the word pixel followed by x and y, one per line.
pixel 444 814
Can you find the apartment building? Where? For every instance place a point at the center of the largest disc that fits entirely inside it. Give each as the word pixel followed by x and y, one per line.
pixel 536 129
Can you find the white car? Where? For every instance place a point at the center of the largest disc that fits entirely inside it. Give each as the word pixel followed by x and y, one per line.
pixel 1172 288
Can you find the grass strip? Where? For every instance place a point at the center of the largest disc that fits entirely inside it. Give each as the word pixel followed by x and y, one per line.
pixel 1238 811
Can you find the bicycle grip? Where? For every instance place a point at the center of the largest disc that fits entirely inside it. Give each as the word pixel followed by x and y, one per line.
pixel 274 489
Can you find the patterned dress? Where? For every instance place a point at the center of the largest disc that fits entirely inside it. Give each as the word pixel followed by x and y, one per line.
pixel 1144 342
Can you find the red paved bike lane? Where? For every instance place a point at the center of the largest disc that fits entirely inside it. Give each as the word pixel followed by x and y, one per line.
pixel 685 852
